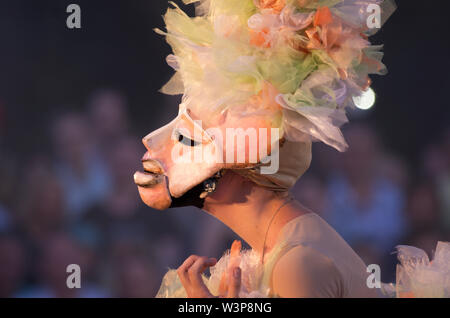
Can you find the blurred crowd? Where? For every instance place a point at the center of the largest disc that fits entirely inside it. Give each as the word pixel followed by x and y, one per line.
pixel 77 204
pixel 378 200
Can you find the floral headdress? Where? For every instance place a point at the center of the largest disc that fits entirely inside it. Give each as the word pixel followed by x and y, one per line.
pixel 310 57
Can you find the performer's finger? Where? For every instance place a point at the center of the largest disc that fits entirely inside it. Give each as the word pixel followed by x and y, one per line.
pixel 196 270
pixel 234 285
pixel 182 271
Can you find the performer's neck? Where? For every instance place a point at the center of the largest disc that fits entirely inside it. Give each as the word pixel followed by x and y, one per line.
pixel 248 210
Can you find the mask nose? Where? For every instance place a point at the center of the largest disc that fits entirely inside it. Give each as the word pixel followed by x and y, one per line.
pixel 147 143
pixel 159 139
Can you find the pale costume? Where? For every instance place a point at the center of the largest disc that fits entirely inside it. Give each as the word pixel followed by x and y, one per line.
pixel 290 65
pixel 418 276
pixel 324 258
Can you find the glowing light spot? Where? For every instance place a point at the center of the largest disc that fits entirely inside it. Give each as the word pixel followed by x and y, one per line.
pixel 366 100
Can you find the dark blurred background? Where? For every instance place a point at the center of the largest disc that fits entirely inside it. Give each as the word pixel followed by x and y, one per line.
pixel 74 105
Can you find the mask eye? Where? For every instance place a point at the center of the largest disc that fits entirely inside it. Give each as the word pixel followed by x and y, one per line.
pixel 186 141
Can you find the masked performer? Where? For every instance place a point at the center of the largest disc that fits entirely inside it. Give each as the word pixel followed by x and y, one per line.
pixel 261 80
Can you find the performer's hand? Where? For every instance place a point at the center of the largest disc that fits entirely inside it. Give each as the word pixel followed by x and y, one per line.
pixel 190 274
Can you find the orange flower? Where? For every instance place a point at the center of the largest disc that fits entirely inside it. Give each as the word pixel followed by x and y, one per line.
pixel 328 36
pixel 341 43
pixel 326 32
pixel 258 38
pixel 276 5
pixel 323 17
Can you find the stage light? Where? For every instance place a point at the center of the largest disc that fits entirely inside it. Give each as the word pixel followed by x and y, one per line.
pixel 366 100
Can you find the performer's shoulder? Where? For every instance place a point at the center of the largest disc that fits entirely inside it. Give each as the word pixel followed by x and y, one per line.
pixel 305 272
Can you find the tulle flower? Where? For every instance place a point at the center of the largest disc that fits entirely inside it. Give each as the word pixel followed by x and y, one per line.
pixel 274 5
pixel 307 57
pixel 342 43
pixel 420 277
